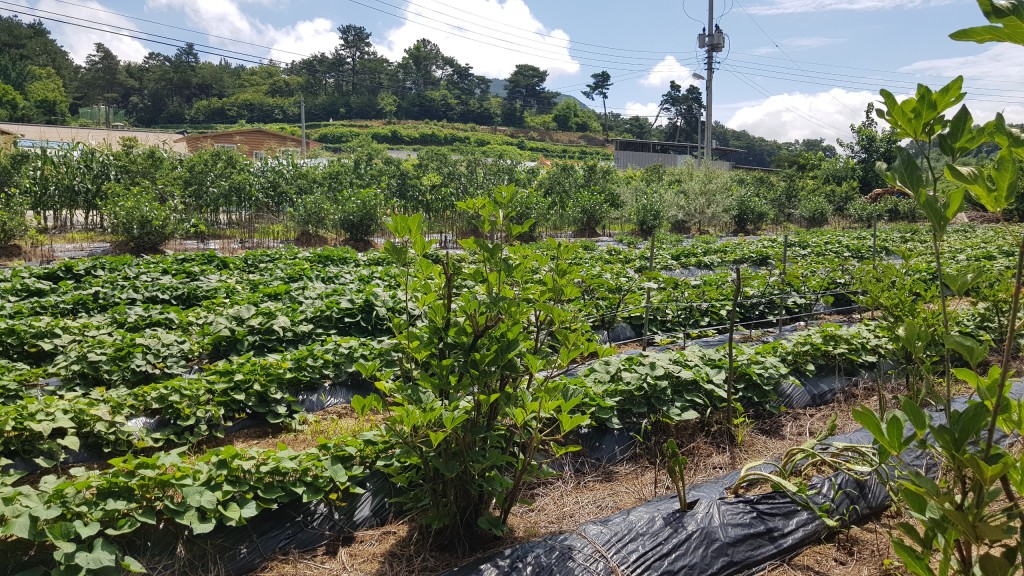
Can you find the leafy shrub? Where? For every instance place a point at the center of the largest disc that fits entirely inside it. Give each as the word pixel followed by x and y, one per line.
pixel 900 209
pixel 312 214
pixel 647 209
pixel 701 198
pixel 750 212
pixel 524 206
pixel 13 225
pixel 359 213
pixel 473 412
pixel 139 217
pixel 588 212
pixel 864 213
pixel 888 209
pixel 814 211
pixel 582 196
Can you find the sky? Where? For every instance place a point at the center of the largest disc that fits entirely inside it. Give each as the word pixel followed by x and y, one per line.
pixel 791 69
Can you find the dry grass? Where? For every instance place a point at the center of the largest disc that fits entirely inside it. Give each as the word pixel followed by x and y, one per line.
pixel 859 551
pixel 563 504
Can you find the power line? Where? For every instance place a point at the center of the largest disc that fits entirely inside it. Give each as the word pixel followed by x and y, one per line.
pixel 876 70
pixel 528 38
pixel 135 37
pixel 179 28
pixel 827 82
pixel 779 48
pixel 616 48
pixel 757 87
pixel 888 81
pixel 450 33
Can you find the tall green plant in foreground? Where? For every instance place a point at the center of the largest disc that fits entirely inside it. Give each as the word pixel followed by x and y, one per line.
pixel 473 408
pixel 969 516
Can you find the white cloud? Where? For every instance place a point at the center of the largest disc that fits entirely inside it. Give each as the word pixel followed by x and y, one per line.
pixel 666 70
pixel 227 19
pixel 798 6
pixel 796 116
pixel 221 17
pixel 79 41
pixel 797 44
pixel 993 80
pixel 998 64
pixel 648 110
pixel 309 37
pixel 472 34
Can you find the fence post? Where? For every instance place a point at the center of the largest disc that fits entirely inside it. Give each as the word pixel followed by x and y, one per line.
pixel 731 375
pixel 782 279
pixel 874 243
pixel 647 304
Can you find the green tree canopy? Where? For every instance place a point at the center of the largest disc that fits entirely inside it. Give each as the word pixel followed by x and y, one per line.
pixel 103 79
pixel 599 86
pixel 12 105
pixel 869 147
pixel 525 91
pixel 45 94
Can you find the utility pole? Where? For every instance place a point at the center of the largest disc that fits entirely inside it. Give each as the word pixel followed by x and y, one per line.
pixel 302 117
pixel 711 39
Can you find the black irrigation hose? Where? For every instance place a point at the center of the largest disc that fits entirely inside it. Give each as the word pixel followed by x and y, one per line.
pixel 748 323
pixel 708 304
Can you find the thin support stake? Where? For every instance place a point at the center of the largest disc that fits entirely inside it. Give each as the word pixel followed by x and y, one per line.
pixel 874 243
pixel 647 305
pixel 782 278
pixel 731 375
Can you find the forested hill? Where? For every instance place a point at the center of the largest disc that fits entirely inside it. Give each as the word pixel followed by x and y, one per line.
pixel 40 83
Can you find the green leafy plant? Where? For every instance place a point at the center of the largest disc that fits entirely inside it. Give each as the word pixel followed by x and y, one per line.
pixel 139 217
pixel 473 408
pixel 82 515
pixel 750 212
pixel 646 209
pixel 13 223
pixel 676 465
pixel 312 216
pixel 814 211
pixel 359 214
pixel 969 515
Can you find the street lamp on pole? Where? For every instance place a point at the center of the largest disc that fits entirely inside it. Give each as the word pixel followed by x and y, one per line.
pixel 696 76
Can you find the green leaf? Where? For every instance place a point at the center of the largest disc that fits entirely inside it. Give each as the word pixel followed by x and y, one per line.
pixel 959 137
pixel 914 561
pixel 70 441
pixel 993 565
pixel 869 419
pixel 19 526
pixel 199 497
pixel 1007 23
pixel 971 350
pixel 917 417
pixel 906 174
pixel 132 565
pixel 994 186
pixel 102 555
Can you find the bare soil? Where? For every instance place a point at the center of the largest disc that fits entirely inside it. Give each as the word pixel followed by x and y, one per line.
pixel 563 504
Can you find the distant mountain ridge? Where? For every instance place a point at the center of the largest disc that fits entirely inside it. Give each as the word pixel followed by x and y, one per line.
pixel 498 89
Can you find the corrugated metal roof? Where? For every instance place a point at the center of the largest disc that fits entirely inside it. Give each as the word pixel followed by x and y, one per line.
pixel 92 136
pixel 677 144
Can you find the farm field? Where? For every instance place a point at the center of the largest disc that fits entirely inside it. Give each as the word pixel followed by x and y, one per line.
pixel 147 396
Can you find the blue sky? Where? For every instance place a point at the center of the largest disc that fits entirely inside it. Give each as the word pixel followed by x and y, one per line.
pixel 792 68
